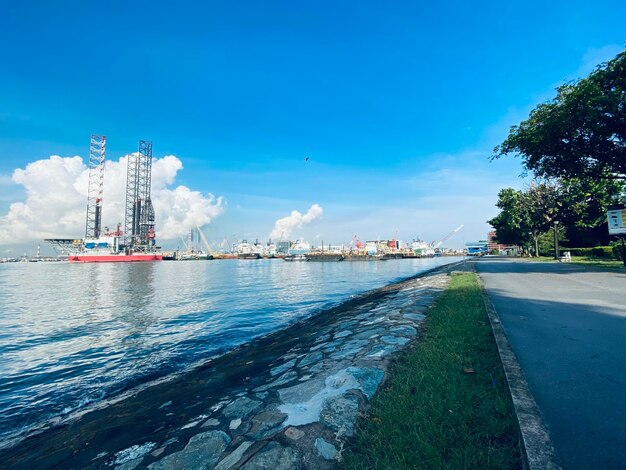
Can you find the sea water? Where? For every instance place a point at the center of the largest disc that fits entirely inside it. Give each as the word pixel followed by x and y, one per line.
pixel 74 334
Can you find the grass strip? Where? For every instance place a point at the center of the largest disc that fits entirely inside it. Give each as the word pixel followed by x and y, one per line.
pixel 587 261
pixel 446 403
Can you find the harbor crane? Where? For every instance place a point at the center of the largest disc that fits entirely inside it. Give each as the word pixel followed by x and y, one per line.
pixel 436 244
pixel 204 240
pixel 358 243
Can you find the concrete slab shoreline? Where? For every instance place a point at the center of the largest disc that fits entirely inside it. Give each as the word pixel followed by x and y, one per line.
pixel 288 400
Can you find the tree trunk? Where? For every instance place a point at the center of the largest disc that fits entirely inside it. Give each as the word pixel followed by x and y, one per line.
pixel 536 246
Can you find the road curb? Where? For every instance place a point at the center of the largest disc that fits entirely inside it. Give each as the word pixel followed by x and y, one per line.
pixel 537 448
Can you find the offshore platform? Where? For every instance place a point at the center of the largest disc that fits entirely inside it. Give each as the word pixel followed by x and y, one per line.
pixel 137 242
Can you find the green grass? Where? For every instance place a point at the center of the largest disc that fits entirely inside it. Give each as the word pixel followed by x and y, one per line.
pixel 587 261
pixel 603 263
pixel 430 414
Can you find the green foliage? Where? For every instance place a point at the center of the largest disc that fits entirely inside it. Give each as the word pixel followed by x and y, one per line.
pixel 581 133
pixel 546 242
pixel 578 205
pixel 579 251
pixel 586 201
pixel 526 215
pixel 543 202
pixel 602 252
pixel 511 224
pixel 579 138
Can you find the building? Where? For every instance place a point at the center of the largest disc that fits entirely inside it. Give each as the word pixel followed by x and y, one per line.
pixel 492 244
pixel 283 246
pixel 478 248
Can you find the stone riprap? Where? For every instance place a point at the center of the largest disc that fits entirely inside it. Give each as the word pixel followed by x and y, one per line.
pixel 316 391
pixel 290 400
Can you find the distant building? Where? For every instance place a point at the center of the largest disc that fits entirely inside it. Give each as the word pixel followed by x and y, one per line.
pixel 282 246
pixel 492 244
pixel 507 249
pixel 478 248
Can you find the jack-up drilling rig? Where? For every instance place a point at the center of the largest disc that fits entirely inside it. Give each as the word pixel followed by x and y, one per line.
pixel 137 241
pixel 139 216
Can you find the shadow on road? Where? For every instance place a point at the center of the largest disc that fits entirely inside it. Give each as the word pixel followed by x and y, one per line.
pixel 495 264
pixel 569 335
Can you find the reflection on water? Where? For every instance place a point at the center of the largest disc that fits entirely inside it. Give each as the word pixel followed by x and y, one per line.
pixel 74 333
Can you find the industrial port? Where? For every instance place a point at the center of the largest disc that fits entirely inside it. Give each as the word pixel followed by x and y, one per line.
pixel 135 240
pixel 197 247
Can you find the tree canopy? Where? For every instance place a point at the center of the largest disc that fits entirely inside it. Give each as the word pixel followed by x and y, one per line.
pixel 526 215
pixel 511 224
pixel 578 205
pixel 585 201
pixel 581 133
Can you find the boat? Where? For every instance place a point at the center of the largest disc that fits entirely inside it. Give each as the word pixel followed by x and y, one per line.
pixel 363 257
pixel 299 257
pixel 169 256
pixel 393 255
pixel 192 256
pixel 329 256
pixel 251 255
pixel 298 251
pixel 247 250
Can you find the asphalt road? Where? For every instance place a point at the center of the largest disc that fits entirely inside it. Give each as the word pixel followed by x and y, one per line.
pixel 567 326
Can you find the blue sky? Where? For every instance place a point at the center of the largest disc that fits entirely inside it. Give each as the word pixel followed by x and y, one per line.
pixel 397 104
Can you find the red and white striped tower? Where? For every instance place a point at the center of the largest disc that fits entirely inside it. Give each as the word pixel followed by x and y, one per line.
pixel 96 186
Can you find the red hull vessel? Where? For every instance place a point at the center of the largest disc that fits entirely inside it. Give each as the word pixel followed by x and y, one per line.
pixel 112 258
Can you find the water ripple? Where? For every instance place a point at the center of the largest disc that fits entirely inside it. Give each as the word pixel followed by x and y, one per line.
pixel 73 334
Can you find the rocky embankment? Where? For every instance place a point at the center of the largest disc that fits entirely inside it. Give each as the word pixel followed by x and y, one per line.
pixel 290 400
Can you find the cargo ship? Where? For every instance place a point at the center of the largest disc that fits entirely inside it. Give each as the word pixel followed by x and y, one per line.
pixel 363 257
pixel 319 256
pixel 247 250
pixel 299 257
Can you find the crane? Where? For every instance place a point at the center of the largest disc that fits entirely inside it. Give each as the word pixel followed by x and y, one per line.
pixel 394 241
pixel 204 240
pixel 184 243
pixel 435 245
pixel 358 243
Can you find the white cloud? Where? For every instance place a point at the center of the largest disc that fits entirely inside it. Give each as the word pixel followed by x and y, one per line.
pixel 181 208
pixel 56 194
pixel 283 227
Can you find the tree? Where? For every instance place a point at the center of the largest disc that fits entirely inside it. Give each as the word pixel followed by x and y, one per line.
pixel 526 215
pixel 511 223
pixel 586 201
pixel 579 134
pixel 543 202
